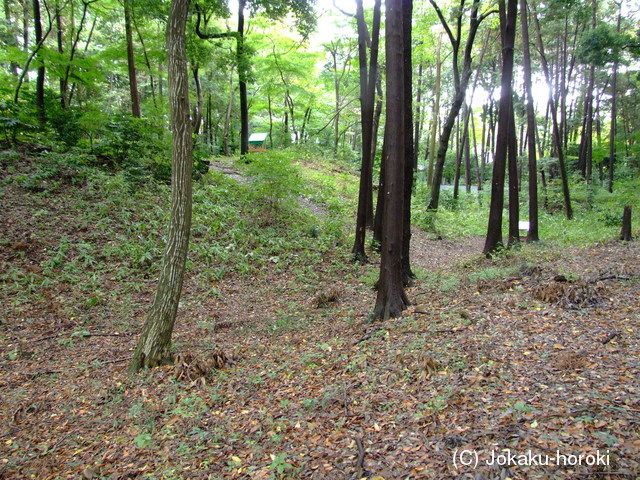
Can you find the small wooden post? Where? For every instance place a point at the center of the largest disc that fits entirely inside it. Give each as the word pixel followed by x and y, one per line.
pixel 625 233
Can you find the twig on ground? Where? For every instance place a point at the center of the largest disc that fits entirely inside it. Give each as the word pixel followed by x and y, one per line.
pixel 610 337
pixel 360 463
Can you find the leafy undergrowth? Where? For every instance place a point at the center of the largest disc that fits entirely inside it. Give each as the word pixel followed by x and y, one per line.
pixel 534 351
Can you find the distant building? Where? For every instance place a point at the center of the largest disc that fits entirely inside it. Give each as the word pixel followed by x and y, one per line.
pixel 258 142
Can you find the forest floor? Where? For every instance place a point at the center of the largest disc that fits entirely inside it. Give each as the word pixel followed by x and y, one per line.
pixel 529 359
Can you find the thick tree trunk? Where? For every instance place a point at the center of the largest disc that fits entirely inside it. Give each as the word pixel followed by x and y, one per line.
pixel 131 62
pixel 494 228
pixel 391 299
pixel 154 345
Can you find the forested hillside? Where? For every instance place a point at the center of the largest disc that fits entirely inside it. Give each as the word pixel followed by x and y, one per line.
pixel 287 240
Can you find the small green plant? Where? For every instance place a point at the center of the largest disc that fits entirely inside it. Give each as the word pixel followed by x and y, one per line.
pixel 143 440
pixel 279 466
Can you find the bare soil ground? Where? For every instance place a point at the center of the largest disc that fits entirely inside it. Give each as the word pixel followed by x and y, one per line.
pixel 520 367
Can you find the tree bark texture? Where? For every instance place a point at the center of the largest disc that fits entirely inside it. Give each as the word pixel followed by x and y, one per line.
pixel 494 228
pixel 391 299
pixel 154 345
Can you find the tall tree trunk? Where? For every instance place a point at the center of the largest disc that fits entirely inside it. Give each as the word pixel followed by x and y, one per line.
pixel 467 159
pixel 368 76
pixel 197 116
pixel 336 118
pixel 494 228
pixel 392 299
pixel 242 82
pixel 270 120
pixel 417 123
pixel 65 83
pixel 625 231
pixel 227 119
pixel 378 220
pixel 37 21
pixel 554 118
pixel 410 159
pixel 475 153
pixel 436 113
pixel 461 80
pixel 614 87
pixel 532 234
pixel 147 62
pixel 60 42
pixel 131 61
pixel 25 25
pixel 514 200
pixel 154 345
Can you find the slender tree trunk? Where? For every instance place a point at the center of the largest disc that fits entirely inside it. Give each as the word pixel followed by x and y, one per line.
pixel 417 124
pixel 65 82
pixel 625 232
pixel 462 131
pixel 392 299
pixel 227 119
pixel 514 200
pixel 270 120
pixel 197 116
pixel 436 114
pixel 147 62
pixel 154 345
pixel 494 228
pixel 410 165
pixel 554 117
pixel 475 153
pixel 379 217
pixel 25 25
pixel 467 159
pixel 131 62
pixel 532 234
pixel 461 80
pixel 60 42
pixel 242 82
pixel 37 21
pixel 368 75
pixel 614 113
